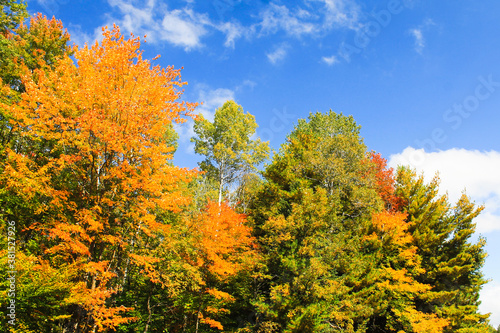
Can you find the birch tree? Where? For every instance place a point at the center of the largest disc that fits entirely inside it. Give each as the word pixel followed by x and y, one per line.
pixel 227 145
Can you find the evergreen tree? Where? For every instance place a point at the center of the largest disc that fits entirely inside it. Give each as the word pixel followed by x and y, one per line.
pixel 310 217
pixel 451 261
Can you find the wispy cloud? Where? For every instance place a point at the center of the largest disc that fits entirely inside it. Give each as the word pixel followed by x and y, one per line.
pixel 330 60
pixel 49 6
pixel 80 37
pixel 419 40
pixel 317 16
pixel 460 169
pixel 140 21
pixel 279 17
pixel 182 27
pixel 341 13
pixel 233 31
pixel 278 54
pixel 418 35
pixel 212 99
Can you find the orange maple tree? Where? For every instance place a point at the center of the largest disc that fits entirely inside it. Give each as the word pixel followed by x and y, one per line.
pixel 93 149
pixel 225 247
pixel 384 181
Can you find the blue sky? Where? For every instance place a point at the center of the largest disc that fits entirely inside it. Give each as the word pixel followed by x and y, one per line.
pixel 422 78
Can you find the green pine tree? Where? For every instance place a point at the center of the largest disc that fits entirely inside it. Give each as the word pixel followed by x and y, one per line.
pixel 451 260
pixel 310 217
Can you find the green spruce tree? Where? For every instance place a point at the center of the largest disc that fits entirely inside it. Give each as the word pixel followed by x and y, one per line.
pixel 451 261
pixel 310 217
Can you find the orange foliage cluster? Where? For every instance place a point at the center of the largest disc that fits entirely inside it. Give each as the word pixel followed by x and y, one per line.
pixel 385 182
pixel 222 233
pixel 225 248
pixel 398 276
pixel 100 160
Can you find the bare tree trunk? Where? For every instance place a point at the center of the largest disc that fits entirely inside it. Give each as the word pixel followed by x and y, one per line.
pixel 185 324
pixel 149 315
pixel 221 185
pixel 221 181
pixel 220 192
pixel 197 321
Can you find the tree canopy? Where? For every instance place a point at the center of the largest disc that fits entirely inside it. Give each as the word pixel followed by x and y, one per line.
pixel 227 145
pixel 111 236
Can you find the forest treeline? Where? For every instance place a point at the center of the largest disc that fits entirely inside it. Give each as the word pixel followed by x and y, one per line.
pixel 111 236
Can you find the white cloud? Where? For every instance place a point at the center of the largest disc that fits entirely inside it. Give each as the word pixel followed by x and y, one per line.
pixel 79 37
pixel 460 169
pixel 276 17
pixel 419 39
pixel 181 27
pixel 311 21
pixel 140 21
pixel 248 83
pixel 341 13
pixel 418 34
pixel 233 31
pixel 212 99
pixel 490 302
pixel 49 6
pixel 330 60
pixel 278 54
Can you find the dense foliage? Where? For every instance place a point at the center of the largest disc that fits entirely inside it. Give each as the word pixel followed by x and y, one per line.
pixel 111 236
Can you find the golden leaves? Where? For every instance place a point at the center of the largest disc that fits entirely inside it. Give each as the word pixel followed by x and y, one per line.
pixel 94 143
pixel 392 225
pixel 224 239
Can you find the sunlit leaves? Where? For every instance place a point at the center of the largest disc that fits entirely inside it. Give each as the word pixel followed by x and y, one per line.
pixel 114 236
pixel 227 145
pixel 442 238
pixel 224 248
pixel 95 140
pixel 12 13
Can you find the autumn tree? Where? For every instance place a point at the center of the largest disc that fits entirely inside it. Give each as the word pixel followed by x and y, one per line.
pixel 310 217
pixel 204 268
pixel 395 309
pixel 224 249
pixel 227 145
pixel 384 180
pixel 96 168
pixel 12 14
pixel 42 43
pixel 23 47
pixel 451 262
